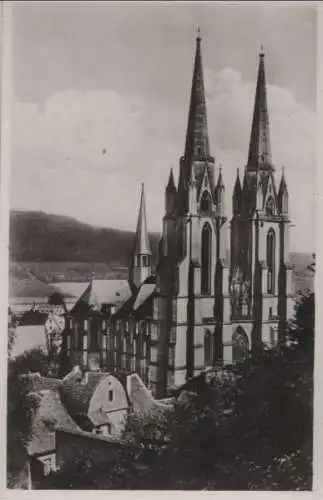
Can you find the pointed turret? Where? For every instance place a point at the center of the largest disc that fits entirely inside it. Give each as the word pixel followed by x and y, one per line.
pixel 283 194
pixel 141 259
pixel 220 194
pixel 259 149
pixel 237 193
pixel 171 184
pixel 197 138
pixel 170 195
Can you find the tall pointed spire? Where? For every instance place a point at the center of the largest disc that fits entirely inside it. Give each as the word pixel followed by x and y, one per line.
pixel 197 139
pixel 142 245
pixel 141 258
pixel 259 148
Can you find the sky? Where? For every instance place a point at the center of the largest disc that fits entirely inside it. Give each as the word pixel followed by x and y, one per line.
pixel 101 94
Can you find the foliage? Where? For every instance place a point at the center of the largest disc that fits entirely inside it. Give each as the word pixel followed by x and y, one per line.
pixel 21 406
pixel 302 324
pixel 248 429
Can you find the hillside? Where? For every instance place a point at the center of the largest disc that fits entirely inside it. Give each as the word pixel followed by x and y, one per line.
pixel 56 248
pixel 41 237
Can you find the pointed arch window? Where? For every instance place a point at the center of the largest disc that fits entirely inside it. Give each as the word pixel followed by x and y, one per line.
pixel 206 264
pixel 270 206
pixel 208 348
pixel 271 251
pixel 206 203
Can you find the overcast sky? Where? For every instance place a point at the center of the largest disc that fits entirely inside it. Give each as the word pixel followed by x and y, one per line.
pixel 97 77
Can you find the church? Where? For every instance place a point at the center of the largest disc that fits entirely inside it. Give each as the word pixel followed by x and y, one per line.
pixel 220 288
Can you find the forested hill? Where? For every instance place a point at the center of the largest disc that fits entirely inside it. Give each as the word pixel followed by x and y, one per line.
pixel 41 237
pixel 38 237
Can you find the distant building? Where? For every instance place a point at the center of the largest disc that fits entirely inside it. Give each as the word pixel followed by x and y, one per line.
pixel 206 305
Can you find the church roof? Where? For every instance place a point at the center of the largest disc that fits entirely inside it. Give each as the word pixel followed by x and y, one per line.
pixel 142 244
pixel 259 147
pixel 112 292
pixel 145 291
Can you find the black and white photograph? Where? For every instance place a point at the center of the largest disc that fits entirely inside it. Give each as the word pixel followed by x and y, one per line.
pixel 161 245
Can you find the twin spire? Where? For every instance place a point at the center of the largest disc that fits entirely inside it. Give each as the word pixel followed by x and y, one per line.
pixel 197 138
pixel 259 148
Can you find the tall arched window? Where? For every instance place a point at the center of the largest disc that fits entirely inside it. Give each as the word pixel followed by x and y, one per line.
pixel 206 262
pixel 208 348
pixel 240 346
pixel 271 249
pixel 206 203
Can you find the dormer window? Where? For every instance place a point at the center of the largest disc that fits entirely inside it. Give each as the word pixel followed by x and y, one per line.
pixel 206 203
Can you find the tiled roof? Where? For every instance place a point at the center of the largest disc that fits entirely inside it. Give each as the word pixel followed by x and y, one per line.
pixel 71 288
pixel 111 292
pixel 39 383
pixel 50 415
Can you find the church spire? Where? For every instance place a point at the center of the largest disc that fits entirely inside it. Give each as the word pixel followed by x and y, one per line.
pixel 197 139
pixel 141 257
pixel 142 245
pixel 259 148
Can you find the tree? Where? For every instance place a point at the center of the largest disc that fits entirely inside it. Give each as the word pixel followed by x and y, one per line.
pixel 21 406
pixel 302 325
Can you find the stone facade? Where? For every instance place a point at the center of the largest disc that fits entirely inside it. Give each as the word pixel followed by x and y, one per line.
pixel 207 304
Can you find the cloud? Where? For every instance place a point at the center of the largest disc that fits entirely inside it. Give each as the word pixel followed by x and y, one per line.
pixel 293 139
pixel 86 153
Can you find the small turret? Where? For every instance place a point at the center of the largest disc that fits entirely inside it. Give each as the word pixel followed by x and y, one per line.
pixel 237 195
pixel 170 195
pixel 283 194
pixel 220 194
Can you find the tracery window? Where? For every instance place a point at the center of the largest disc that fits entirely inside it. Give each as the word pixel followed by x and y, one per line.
pixel 208 348
pixel 206 203
pixel 271 249
pixel 206 263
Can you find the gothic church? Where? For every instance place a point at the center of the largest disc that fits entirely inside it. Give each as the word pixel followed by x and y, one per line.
pixel 206 304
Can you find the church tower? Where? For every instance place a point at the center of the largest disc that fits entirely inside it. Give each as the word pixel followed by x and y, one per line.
pixel 140 267
pixel 192 255
pixel 260 269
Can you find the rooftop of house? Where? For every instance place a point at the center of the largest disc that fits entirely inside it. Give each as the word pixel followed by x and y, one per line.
pixel 64 404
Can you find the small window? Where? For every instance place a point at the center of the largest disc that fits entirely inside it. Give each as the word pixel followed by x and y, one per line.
pixel 270 312
pixel 110 395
